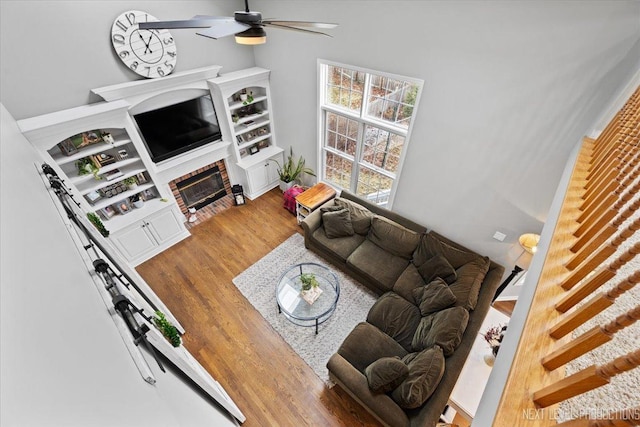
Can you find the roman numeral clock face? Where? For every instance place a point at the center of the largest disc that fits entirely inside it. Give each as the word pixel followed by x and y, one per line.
pixel 150 53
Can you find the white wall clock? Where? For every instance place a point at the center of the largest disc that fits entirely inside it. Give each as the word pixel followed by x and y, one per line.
pixel 149 53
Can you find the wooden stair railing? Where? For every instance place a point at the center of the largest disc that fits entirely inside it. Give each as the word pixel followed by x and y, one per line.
pixel 598 215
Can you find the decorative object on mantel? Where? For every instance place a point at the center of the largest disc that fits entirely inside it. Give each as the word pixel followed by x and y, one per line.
pixel 290 171
pixel 494 336
pixel 247 25
pixel 310 288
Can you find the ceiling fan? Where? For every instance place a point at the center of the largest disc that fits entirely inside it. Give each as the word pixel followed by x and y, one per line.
pixel 247 26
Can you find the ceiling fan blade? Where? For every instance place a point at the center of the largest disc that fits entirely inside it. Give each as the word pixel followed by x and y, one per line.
pixel 325 25
pixel 286 27
pixel 224 29
pixel 188 23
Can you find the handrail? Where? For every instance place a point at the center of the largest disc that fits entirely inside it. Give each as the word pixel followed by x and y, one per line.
pixel 600 196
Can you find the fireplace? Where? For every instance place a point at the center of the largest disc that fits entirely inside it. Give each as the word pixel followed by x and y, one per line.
pixel 201 189
pixel 206 189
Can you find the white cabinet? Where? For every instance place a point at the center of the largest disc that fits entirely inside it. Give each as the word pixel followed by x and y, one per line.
pixel 148 236
pixel 263 176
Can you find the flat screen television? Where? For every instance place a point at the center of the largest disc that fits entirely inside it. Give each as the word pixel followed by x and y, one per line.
pixel 178 128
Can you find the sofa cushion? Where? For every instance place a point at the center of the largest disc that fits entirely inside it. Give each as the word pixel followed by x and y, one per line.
pixel 431 246
pixel 392 237
pixel 379 265
pixel 409 280
pixel 386 373
pixel 433 297
pixel 396 317
pixel 340 246
pixel 443 328
pixel 467 286
pixel 360 216
pixel 377 345
pixel 437 266
pixel 425 372
pixel 337 223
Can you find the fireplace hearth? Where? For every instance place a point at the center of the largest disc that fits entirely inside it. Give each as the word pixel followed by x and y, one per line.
pixel 206 189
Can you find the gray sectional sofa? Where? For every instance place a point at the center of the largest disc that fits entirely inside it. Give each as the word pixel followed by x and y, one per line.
pixel 403 362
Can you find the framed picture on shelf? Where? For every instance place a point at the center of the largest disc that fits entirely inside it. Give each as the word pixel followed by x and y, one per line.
pixel 240 140
pixel 93 196
pixel 254 149
pixel 123 206
pixel 81 140
pixel 263 144
pixel 148 194
pixel 141 178
pixel 243 152
pixel 107 212
pixel 249 136
pixel 262 131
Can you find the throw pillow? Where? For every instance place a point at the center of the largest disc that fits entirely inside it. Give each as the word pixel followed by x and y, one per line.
pixel 360 216
pixel 392 237
pixel 385 374
pixel 467 286
pixel 337 223
pixel 433 297
pixel 437 266
pixel 443 328
pixel 425 373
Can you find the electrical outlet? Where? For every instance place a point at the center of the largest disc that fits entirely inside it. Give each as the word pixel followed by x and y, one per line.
pixel 499 236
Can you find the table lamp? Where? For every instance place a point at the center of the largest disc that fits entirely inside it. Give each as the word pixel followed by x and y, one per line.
pixel 529 243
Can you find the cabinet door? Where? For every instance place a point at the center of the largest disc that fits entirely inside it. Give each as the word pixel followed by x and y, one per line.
pixel 134 241
pixel 258 176
pixel 164 225
pixel 272 173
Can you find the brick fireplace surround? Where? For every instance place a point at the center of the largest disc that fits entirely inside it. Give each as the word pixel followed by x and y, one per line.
pixel 211 209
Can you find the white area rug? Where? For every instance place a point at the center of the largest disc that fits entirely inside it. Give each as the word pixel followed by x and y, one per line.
pixel 258 282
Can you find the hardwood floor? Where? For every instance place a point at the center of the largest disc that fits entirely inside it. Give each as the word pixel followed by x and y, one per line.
pixel 268 381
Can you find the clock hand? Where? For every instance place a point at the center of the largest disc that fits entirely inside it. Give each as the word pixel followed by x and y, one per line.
pixel 146 44
pixel 149 42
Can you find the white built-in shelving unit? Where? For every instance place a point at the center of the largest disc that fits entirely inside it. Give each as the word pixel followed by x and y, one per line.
pixel 248 124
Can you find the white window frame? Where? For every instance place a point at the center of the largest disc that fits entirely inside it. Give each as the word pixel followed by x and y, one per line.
pixel 362 119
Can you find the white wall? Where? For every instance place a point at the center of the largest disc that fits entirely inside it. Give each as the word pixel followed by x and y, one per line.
pixel 52 53
pixel 62 361
pixel 510 88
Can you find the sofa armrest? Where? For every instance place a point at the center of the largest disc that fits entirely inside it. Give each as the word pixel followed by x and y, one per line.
pixel 313 221
pixel 352 381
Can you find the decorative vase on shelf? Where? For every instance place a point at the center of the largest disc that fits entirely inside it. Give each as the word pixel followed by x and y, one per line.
pixel 138 204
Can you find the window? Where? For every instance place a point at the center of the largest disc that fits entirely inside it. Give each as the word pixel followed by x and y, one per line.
pixel 366 119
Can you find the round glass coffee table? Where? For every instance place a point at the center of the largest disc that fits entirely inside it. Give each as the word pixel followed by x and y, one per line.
pixel 298 310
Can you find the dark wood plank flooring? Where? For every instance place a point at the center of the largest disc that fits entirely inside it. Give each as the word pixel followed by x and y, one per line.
pixel 270 383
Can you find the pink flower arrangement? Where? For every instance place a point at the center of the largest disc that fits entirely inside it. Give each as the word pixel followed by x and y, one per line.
pixel 494 336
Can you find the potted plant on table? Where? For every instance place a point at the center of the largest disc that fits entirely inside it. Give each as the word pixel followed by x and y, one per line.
pixel 310 287
pixel 289 171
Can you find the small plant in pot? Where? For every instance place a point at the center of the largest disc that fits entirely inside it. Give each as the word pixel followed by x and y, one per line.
pixel 131 182
pixel 137 201
pixel 290 170
pixel 310 287
pixel 308 281
pixel 87 166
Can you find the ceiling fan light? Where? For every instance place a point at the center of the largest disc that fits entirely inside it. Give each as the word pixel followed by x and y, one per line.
pixel 252 36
